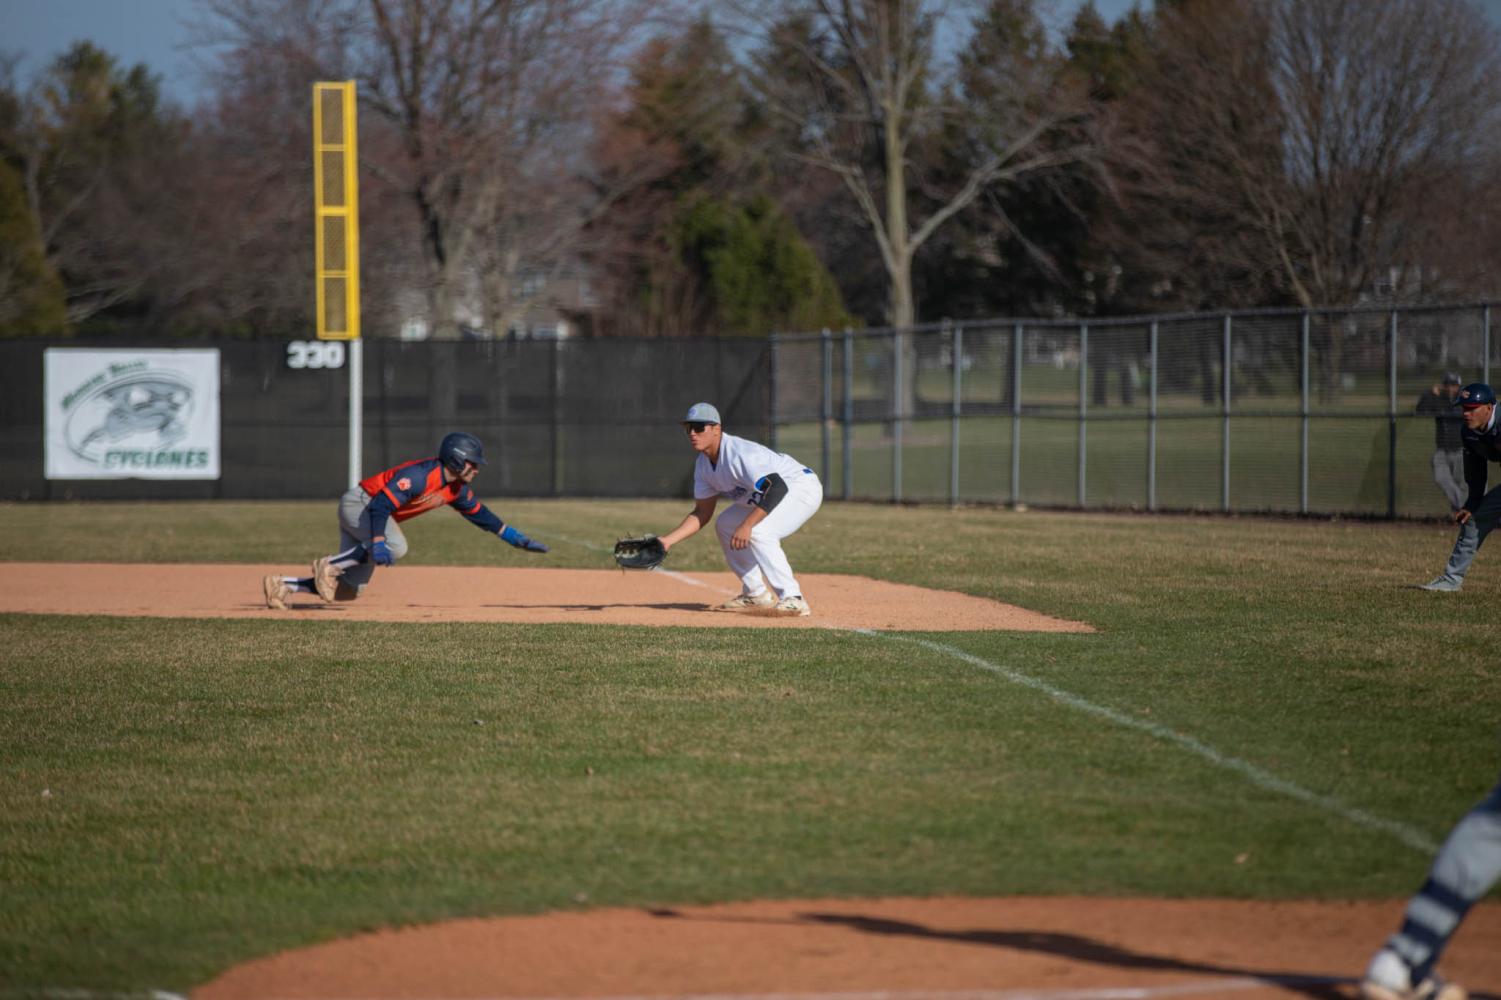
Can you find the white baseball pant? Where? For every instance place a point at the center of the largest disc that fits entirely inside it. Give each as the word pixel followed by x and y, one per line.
pixel 764 555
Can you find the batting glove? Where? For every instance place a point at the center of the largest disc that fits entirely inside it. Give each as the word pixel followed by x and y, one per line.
pixel 381 554
pixel 516 538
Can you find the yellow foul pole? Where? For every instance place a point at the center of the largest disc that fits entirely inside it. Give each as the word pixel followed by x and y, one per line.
pixel 336 239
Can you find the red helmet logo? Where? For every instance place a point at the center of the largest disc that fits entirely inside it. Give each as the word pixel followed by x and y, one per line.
pixel 403 484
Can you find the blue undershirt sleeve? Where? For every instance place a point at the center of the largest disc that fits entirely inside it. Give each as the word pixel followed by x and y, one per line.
pixel 380 509
pixel 483 517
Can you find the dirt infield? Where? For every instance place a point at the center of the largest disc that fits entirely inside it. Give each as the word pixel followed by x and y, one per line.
pixel 961 949
pixel 424 593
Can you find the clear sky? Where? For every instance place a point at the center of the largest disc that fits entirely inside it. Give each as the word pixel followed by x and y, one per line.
pixel 152 32
pixel 133 31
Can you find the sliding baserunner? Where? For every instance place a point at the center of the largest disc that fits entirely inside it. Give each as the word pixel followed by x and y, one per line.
pixel 371 513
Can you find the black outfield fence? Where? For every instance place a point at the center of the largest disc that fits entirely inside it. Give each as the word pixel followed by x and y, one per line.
pixel 558 417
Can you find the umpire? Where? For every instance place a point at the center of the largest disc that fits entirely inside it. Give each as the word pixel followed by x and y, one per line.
pixel 1481 510
pixel 1442 404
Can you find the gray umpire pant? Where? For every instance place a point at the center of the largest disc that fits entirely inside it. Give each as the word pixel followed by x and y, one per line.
pixel 1449 474
pixel 1472 535
pixel 354 529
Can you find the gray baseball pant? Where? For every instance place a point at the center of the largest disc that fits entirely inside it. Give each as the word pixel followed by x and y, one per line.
pixel 354 529
pixel 1449 474
pixel 1472 535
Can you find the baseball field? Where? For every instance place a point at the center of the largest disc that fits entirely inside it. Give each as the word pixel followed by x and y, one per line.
pixel 1222 774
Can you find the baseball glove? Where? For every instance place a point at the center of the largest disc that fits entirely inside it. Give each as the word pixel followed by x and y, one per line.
pixel 645 552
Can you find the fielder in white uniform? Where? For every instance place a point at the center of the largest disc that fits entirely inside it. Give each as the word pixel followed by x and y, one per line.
pixel 771 495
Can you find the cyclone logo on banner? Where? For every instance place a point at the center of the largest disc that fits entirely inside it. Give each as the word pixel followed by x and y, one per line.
pixel 131 414
pixel 144 410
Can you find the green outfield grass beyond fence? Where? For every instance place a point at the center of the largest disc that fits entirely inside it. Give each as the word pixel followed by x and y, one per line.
pixel 1350 460
pixel 1266 711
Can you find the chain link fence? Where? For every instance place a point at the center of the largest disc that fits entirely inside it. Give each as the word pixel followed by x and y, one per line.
pixel 1264 411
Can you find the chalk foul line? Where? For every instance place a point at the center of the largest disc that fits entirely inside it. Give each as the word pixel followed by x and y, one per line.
pixel 1259 777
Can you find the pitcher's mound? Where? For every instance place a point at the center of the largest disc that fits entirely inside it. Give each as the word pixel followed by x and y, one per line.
pixel 468 594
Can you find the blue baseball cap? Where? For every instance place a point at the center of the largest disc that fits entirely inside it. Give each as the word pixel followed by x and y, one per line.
pixel 1477 394
pixel 701 413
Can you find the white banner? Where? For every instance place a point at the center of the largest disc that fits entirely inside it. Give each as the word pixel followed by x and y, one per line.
pixel 123 414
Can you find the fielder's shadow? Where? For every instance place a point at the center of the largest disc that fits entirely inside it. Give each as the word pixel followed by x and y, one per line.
pixel 1070 946
pixel 1083 949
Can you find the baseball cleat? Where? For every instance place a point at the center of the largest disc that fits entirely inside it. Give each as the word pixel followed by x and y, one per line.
pixel 792 606
pixel 747 602
pixel 1442 583
pixel 277 592
pixel 325 577
pixel 1389 978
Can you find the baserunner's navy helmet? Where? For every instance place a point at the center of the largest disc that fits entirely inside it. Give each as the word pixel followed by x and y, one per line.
pixel 1477 394
pixel 458 448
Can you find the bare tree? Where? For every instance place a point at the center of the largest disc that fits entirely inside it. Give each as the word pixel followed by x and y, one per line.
pixel 551 193
pixel 1455 252
pixel 1386 102
pixel 1297 149
pixel 234 245
pixel 489 98
pixel 863 93
pixel 479 106
pixel 1206 208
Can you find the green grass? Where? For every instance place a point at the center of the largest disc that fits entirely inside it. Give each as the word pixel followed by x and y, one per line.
pixel 1347 463
pixel 216 790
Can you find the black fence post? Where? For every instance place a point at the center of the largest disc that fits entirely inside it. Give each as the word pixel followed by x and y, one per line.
pixel 1391 418
pixel 826 403
pixel 849 413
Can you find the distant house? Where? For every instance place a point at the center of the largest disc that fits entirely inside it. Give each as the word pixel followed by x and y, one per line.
pixel 557 307
pixel 546 306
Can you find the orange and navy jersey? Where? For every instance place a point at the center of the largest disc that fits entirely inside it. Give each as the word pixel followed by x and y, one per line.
pixel 417 487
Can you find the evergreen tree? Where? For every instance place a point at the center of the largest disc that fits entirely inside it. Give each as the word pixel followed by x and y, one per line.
pixel 755 271
pixel 94 147
pixel 31 296
pixel 700 247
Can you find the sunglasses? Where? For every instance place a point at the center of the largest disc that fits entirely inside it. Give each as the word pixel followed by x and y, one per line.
pixel 696 427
